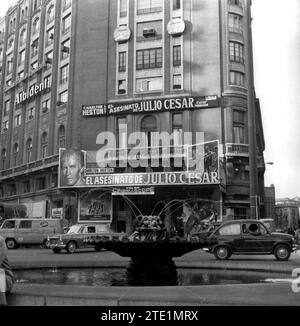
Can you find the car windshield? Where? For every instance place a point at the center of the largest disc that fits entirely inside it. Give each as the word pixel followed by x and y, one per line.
pixel 74 229
pixel 8 225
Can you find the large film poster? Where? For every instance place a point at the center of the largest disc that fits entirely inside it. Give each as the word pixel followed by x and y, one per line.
pixel 72 168
pixel 200 166
pixel 95 206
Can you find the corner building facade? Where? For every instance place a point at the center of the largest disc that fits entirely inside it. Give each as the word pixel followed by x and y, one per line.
pixel 64 62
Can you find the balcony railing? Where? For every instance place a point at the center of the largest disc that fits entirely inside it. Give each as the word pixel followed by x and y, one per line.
pixel 233 149
pixel 149 10
pixel 30 167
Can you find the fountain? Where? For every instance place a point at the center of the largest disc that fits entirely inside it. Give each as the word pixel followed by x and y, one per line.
pixel 152 246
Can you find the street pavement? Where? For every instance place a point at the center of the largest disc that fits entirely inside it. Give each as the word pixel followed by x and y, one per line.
pixel 281 293
pixel 42 258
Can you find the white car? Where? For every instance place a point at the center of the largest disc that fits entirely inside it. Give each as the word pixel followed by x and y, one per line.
pixel 74 238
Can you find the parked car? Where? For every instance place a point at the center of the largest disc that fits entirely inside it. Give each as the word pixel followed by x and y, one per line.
pixel 249 237
pixel 74 238
pixel 28 231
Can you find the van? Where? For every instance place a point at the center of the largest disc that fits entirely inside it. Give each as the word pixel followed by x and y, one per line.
pixel 27 231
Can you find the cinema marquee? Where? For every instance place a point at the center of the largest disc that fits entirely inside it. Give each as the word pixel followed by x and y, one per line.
pixel 157 105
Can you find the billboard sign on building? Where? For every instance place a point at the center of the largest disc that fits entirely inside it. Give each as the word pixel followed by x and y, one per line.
pixel 153 106
pixel 129 191
pixel 78 169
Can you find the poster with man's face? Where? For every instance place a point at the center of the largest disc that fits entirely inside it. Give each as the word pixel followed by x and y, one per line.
pixel 72 166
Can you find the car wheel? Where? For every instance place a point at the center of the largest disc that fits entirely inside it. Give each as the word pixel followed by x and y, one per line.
pixel 46 244
pixel 71 247
pixel 282 252
pixel 222 252
pixel 98 248
pixel 11 243
pixel 56 250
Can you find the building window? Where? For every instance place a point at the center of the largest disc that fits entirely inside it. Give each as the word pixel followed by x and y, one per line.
pixel 36 4
pixel 121 133
pixel 35 26
pixel 26 187
pixel 149 84
pixel 239 121
pixel 177 81
pixel 10 44
pixel 34 65
pixel 31 113
pixel 11 189
pixel 149 6
pixel 61 137
pixel 65 49
pixel 50 36
pixel 9 66
pixel 122 86
pixel 235 23
pixel 237 78
pixel 177 128
pixel 21 74
pixel 50 14
pixel 67 4
pixel 176 4
pixel 176 55
pixel 64 74
pixel 235 3
pixel 41 183
pixel 15 154
pixel 48 59
pixel 47 81
pixel 63 98
pixel 123 8
pixel 6 108
pixel 44 145
pixel 46 105
pixel 150 58
pixel 3 158
pixel 5 125
pixel 22 16
pixel 66 24
pixel 240 213
pixel 29 150
pixel 149 31
pixel 149 126
pixel 21 57
pixel 34 48
pixel 236 52
pixel 18 120
pixel 122 61
pixel 22 37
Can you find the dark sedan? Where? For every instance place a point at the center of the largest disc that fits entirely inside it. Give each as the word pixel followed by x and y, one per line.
pixel 249 237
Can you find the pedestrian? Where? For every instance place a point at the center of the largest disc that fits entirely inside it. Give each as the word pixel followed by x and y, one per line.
pixel 6 274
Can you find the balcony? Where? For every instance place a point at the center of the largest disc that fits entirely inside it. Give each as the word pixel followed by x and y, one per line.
pixel 233 149
pixel 30 167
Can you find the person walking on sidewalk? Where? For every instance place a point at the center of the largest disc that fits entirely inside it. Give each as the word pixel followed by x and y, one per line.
pixel 6 274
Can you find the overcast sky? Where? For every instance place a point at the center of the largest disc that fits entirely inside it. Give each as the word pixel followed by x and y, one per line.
pixel 276 43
